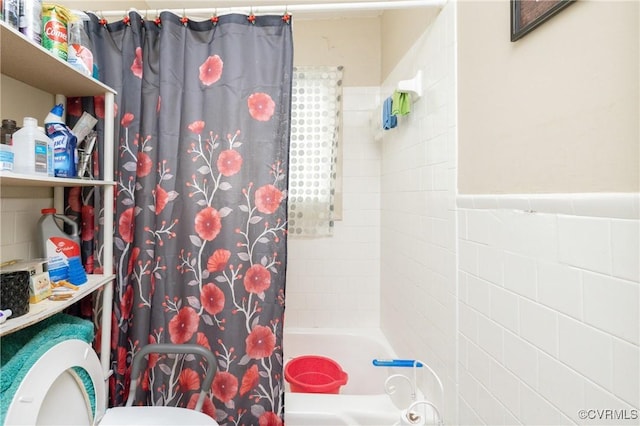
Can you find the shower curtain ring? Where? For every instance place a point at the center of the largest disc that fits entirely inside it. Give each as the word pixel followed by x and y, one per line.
pixel 184 18
pixel 102 21
pixel 157 20
pixel 286 17
pixel 214 17
pixel 251 18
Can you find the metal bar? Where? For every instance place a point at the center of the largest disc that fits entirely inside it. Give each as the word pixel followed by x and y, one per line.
pixel 292 8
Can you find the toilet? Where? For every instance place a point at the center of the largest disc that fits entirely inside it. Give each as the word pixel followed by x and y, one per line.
pixel 53 393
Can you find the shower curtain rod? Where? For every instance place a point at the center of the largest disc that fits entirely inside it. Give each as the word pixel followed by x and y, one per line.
pixel 292 8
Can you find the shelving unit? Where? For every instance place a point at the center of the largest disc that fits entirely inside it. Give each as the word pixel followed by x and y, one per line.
pixel 46 308
pixel 14 179
pixel 35 66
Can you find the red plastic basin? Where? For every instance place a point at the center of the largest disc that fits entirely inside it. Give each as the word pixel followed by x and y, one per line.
pixel 314 374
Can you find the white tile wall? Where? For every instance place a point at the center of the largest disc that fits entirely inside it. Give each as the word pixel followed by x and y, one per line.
pixel 589 250
pixel 505 386
pixel 18 222
pixel 419 289
pixel 560 288
pixel 521 358
pixel 538 325
pixel 564 297
pixel 611 304
pixel 560 385
pixel 335 282
pixel 625 250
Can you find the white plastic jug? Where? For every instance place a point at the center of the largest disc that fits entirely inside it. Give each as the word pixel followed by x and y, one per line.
pixel 57 246
pixel 30 149
pixel 49 152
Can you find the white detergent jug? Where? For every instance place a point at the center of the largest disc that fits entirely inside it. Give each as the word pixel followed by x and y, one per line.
pixel 56 245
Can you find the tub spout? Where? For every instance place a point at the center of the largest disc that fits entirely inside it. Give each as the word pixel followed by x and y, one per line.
pixel 411 417
pixel 440 386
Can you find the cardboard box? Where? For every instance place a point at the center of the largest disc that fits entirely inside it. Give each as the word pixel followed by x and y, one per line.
pixel 39 282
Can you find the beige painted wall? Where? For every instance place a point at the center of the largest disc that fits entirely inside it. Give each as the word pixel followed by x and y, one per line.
pixel 400 30
pixel 353 43
pixel 556 111
pixel 17 100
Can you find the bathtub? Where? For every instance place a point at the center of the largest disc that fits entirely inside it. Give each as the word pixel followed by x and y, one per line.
pixel 363 400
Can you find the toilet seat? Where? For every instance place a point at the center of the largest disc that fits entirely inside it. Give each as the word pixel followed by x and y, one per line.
pixel 29 405
pixel 153 416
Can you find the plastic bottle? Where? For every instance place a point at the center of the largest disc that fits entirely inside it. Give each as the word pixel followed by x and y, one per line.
pixel 6 144
pixel 30 149
pixel 64 143
pixel 6 157
pixel 58 246
pixel 50 170
pixel 11 12
pixel 80 54
pixel 31 19
pixel 8 129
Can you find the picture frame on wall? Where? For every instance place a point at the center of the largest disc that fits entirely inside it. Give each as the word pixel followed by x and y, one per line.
pixel 529 14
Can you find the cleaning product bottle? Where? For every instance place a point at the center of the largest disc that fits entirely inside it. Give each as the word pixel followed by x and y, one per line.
pixel 6 157
pixel 59 247
pixel 64 143
pixel 6 144
pixel 30 21
pixel 50 170
pixel 30 149
pixel 80 54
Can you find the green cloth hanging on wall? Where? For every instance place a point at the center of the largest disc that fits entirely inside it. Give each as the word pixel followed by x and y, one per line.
pixel 401 104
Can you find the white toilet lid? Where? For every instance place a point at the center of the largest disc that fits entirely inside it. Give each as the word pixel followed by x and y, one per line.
pixel 30 397
pixel 144 415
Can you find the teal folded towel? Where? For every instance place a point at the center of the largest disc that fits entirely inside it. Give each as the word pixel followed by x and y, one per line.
pixel 389 121
pixel 401 103
pixel 20 350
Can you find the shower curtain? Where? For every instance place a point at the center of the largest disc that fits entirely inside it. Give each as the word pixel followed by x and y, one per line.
pixel 203 119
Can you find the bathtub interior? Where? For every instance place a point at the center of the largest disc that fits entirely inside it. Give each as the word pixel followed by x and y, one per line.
pixel 354 350
pixel 363 400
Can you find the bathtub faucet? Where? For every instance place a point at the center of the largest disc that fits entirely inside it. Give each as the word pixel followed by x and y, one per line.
pixel 409 413
pixel 411 417
pixel 416 364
